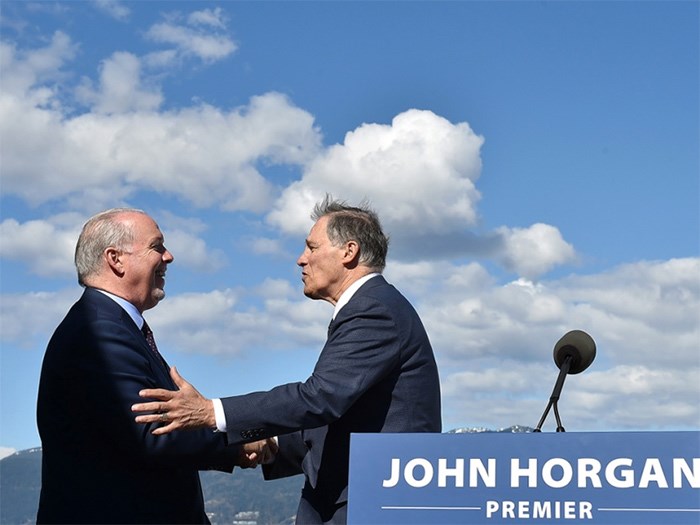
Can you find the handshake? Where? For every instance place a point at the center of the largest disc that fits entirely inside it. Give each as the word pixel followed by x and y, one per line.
pixel 258 453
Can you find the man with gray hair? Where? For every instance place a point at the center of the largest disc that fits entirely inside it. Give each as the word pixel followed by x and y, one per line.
pixel 98 465
pixel 376 372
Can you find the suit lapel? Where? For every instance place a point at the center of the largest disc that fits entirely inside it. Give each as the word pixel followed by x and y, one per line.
pixel 158 365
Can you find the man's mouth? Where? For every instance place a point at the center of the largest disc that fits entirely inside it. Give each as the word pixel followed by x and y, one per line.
pixel 160 273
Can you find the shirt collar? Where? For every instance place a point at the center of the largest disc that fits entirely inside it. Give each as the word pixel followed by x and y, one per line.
pixel 127 306
pixel 347 294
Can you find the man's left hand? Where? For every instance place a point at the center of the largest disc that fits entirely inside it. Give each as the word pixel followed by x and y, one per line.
pixel 182 409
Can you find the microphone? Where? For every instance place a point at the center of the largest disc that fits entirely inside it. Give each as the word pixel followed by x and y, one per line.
pixel 573 353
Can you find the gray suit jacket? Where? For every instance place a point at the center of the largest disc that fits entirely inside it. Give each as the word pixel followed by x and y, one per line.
pixel 376 373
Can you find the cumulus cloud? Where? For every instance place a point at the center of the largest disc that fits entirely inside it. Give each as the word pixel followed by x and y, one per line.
pixel 193 37
pixel 208 17
pixel 534 251
pixel 222 322
pixel 265 246
pixel 121 88
pixel 634 312
pixel 202 154
pixel 124 144
pixel 27 242
pixel 420 171
pixel 113 8
pixel 26 74
pixel 193 252
pixel 28 319
pixel 618 398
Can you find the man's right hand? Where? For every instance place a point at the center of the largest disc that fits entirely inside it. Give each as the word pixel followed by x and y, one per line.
pixel 260 452
pixel 182 409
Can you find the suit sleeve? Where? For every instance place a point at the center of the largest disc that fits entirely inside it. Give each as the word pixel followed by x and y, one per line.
pixel 116 369
pixel 361 349
pixel 289 459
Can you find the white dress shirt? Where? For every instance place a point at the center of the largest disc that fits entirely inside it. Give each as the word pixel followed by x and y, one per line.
pixel 127 306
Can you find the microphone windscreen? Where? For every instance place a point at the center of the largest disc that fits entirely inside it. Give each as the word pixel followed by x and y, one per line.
pixel 580 346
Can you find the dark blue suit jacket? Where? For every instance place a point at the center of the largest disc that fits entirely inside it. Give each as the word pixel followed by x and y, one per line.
pixel 376 373
pixel 98 464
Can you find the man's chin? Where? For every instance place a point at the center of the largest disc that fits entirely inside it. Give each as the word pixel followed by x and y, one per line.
pixel 313 295
pixel 157 296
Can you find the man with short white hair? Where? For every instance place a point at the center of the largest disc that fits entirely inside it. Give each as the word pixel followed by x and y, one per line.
pixel 98 465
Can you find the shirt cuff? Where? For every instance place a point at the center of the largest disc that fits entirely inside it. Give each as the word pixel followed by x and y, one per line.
pixel 219 415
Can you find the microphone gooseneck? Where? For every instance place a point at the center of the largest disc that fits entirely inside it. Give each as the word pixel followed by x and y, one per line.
pixel 573 353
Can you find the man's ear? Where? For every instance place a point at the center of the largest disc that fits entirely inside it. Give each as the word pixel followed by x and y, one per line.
pixel 114 260
pixel 351 257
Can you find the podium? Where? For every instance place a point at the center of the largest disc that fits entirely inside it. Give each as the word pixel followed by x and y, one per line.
pixel 534 478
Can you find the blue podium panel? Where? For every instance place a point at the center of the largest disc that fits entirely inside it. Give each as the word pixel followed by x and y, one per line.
pixel 489 478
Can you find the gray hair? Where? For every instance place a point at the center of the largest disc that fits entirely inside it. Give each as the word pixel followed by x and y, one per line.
pixel 360 224
pixel 100 232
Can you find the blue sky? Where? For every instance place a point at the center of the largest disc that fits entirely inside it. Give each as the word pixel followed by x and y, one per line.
pixel 535 164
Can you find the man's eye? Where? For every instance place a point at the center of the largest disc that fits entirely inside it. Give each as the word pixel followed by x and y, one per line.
pixel 160 248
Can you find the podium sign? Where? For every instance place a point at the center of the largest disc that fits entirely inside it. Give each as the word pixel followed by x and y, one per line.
pixel 514 478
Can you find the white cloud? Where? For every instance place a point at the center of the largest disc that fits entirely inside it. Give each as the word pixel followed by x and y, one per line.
pixel 208 17
pixel 28 319
pixel 534 251
pixel 505 334
pixel 192 39
pixel 619 398
pixel 193 252
pixel 184 239
pixel 202 154
pixel 420 171
pixel 113 8
pixel 28 242
pixel 160 59
pixel 26 74
pixel 219 322
pixel 121 88
pixel 264 246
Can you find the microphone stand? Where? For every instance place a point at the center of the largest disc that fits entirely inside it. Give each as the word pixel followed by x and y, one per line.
pixel 554 398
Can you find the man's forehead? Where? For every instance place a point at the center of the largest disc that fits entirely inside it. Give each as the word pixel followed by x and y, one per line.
pixel 146 227
pixel 318 231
